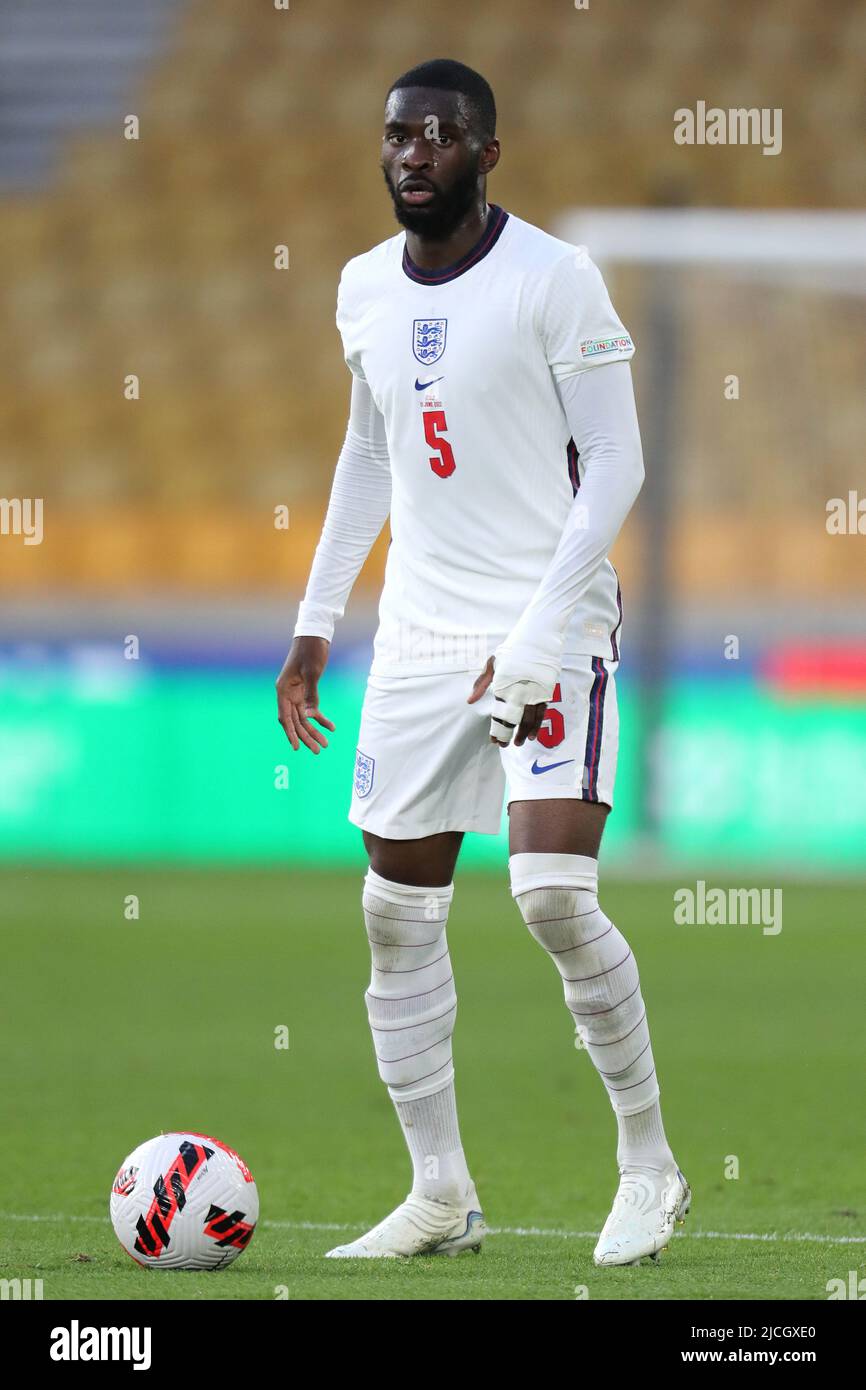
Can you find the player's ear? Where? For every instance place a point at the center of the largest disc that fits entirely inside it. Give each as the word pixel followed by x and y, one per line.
pixel 489 157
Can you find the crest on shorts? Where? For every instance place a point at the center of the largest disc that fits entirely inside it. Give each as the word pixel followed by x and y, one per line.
pixel 364 768
pixel 428 339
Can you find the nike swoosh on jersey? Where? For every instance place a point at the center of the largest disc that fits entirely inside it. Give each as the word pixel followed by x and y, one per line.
pixel 550 766
pixel 422 385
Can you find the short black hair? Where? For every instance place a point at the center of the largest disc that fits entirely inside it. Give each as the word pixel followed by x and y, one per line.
pixel 450 76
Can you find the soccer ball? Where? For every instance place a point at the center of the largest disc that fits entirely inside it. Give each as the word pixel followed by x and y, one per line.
pixel 184 1201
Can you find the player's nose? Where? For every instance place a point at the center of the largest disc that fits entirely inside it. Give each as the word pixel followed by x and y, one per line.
pixel 416 155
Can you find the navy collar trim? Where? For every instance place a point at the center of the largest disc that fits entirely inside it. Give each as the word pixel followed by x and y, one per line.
pixel 496 221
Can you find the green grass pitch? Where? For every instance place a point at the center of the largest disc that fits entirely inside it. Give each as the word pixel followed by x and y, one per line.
pixel 115 1030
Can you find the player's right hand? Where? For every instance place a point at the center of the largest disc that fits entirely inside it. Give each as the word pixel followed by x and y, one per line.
pixel 298 693
pixel 512 711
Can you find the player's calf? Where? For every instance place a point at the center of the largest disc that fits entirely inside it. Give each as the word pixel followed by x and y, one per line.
pixel 557 896
pixel 411 1003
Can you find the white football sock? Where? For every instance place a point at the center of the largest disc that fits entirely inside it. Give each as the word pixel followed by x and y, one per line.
pixel 557 896
pixel 412 1004
pixel 642 1141
pixel 433 1137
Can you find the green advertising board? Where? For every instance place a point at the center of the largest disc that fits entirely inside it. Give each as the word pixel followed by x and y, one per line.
pixel 191 765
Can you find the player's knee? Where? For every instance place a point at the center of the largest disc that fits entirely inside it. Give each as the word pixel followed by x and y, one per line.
pixel 557 895
pixel 404 917
pixel 557 898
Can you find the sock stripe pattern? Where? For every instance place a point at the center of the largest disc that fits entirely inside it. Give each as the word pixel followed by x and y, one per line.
pixel 411 999
pixel 602 989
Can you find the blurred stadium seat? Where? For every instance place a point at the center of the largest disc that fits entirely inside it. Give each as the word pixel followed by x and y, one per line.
pixel 154 257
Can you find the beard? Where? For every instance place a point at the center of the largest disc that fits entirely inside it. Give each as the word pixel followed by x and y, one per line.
pixel 447 209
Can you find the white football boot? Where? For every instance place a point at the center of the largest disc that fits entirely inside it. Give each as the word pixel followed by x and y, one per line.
pixel 645 1210
pixel 421 1226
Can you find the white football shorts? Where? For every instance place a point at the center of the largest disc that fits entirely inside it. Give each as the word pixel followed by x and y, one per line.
pixel 424 761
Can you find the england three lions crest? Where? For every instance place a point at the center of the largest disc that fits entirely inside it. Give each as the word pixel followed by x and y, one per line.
pixel 428 339
pixel 364 768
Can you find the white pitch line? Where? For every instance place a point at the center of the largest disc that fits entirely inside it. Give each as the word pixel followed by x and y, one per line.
pixel 694 1235
pixel 761 1236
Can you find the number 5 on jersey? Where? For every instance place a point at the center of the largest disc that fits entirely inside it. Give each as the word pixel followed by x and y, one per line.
pixel 434 432
pixel 552 729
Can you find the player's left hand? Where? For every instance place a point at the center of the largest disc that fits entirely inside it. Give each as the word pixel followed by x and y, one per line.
pixel 512 710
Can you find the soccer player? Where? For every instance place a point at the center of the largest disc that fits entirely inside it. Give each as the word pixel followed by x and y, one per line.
pixel 492 416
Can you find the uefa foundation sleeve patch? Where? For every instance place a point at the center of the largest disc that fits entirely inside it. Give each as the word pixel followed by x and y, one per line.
pixel 593 348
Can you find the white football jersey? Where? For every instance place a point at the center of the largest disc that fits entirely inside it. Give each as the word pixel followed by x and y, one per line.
pixel 462 362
